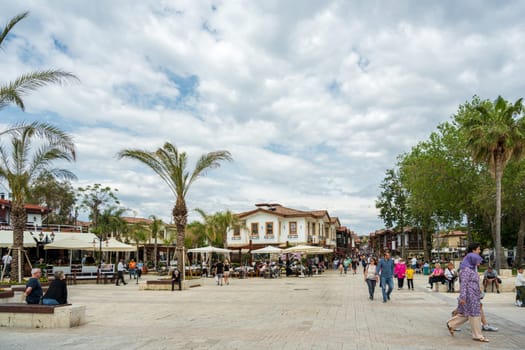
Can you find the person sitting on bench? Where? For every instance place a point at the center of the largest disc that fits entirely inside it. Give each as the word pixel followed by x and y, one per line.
pixel 490 276
pixel 437 275
pixel 33 291
pixel 57 292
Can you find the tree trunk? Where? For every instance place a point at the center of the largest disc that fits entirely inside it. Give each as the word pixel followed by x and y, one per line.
pixel 155 252
pixel 180 216
pixel 18 219
pixel 499 257
pixel 518 259
pixel 424 236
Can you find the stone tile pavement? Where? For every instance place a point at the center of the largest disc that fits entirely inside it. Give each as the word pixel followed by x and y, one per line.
pixel 328 311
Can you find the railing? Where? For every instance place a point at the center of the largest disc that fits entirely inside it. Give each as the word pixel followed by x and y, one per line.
pixel 45 228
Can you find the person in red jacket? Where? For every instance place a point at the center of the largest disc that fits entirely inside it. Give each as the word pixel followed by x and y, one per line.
pixel 400 271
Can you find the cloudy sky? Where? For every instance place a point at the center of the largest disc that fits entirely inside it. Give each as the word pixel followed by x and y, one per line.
pixel 314 99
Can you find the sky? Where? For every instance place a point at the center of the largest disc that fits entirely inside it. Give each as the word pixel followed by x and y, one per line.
pixel 315 100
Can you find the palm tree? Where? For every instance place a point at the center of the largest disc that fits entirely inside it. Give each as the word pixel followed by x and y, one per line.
pixel 138 232
pixel 32 149
pixel 217 225
pixel 12 92
pixel 156 227
pixel 495 133
pixel 170 165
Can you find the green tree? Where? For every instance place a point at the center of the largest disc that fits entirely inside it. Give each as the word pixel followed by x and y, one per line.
pixel 31 151
pixel 138 232
pixel 215 226
pixel 170 165
pixel 58 196
pixel 95 199
pixel 12 92
pixel 495 134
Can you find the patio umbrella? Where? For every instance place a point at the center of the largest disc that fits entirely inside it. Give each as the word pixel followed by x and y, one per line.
pixel 267 250
pixel 301 249
pixel 69 243
pixel 320 250
pixel 6 239
pixel 113 245
pixel 210 249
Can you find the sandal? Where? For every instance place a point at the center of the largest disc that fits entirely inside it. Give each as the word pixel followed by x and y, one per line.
pixel 483 340
pixel 450 330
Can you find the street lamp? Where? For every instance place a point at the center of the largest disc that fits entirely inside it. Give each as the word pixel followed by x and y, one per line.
pixel 99 250
pixel 43 240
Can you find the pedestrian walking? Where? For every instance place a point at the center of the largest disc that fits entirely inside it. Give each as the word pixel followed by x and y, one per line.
pixel 385 270
pixel 371 277
pixel 410 277
pixel 219 272
pixel 400 272
pixel 120 272
pixel 469 295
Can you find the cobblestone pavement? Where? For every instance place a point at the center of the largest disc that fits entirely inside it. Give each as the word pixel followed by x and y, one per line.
pixel 328 311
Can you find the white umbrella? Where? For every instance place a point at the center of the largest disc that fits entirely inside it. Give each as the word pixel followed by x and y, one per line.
pixel 320 250
pixel 113 245
pixel 267 250
pixel 301 249
pixel 210 249
pixel 6 239
pixel 69 243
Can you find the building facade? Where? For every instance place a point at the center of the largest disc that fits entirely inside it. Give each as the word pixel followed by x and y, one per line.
pixel 276 225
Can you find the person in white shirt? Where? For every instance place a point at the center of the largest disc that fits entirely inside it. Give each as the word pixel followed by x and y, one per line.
pixel 520 288
pixel 120 272
pixel 6 261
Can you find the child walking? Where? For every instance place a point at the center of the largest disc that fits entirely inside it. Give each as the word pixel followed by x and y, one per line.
pixel 410 277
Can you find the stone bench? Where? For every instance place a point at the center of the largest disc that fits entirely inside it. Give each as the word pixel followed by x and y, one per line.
pixel 165 284
pixel 21 315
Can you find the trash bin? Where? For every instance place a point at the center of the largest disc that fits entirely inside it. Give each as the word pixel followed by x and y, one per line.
pixel 426 270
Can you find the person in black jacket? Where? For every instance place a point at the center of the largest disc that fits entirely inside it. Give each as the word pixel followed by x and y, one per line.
pixel 175 279
pixel 57 292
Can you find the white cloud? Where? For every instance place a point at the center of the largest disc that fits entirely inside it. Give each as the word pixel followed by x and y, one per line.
pixel 314 99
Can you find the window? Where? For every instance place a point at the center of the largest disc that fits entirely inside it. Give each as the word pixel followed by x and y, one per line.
pixel 255 229
pixel 237 230
pixel 269 229
pixel 293 228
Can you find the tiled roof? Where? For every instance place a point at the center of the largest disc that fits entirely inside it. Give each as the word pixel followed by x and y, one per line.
pixel 133 220
pixel 32 207
pixel 278 209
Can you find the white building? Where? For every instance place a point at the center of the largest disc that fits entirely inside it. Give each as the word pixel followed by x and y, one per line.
pixel 273 224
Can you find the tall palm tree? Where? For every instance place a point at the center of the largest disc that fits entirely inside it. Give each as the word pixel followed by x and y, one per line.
pixel 495 133
pixel 170 165
pixel 33 147
pixel 156 227
pixel 13 91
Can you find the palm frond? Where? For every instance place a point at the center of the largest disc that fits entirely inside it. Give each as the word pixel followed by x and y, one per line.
pixel 15 90
pixel 11 24
pixel 207 161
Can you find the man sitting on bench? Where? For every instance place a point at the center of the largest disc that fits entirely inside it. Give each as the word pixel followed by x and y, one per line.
pixel 490 276
pixel 33 292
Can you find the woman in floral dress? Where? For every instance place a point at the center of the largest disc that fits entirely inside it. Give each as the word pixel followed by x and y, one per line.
pixel 469 295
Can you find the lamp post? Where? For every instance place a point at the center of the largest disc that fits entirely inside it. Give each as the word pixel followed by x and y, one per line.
pixel 99 250
pixel 41 240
